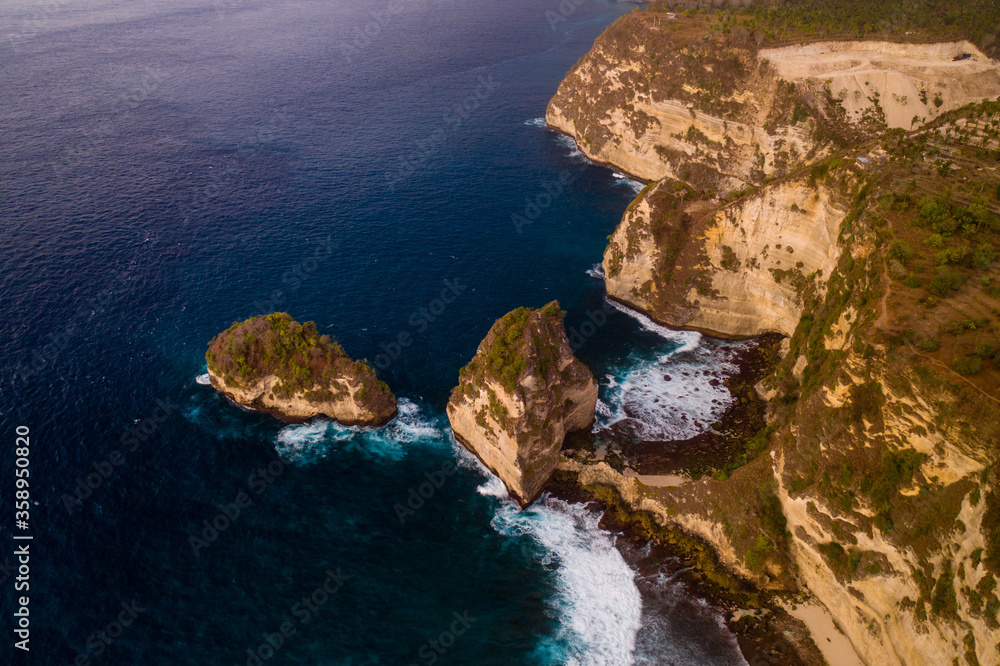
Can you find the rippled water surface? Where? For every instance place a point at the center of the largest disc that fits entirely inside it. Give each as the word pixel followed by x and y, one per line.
pixel 169 168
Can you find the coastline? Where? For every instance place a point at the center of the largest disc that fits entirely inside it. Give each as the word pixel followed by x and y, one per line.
pixel 766 632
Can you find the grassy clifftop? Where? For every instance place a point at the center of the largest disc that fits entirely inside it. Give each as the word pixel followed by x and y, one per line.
pixel 780 22
pixel 523 341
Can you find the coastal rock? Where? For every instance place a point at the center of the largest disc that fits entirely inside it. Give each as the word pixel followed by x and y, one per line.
pixel 710 113
pixel 736 270
pixel 274 364
pixel 720 113
pixel 519 397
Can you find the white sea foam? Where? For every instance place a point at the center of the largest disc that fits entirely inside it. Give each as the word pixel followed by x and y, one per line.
pixel 622 179
pixel 673 395
pixel 535 122
pixel 598 604
pixel 493 487
pixel 309 442
pixel 688 339
pixel 605 410
pixel 596 272
pixel 570 144
pixel 204 380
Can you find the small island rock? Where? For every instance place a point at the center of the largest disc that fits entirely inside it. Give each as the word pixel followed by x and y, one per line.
pixel 519 397
pixel 277 365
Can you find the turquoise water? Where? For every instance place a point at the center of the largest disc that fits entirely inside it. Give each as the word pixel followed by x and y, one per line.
pixel 169 169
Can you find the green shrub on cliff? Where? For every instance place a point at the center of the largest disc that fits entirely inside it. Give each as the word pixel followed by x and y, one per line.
pixel 967 365
pixel 302 359
pixel 523 340
pixel 784 21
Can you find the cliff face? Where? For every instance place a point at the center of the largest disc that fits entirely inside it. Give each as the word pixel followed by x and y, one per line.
pixel 519 397
pixel 883 415
pixel 275 364
pixel 738 270
pixel 686 99
pixel 659 106
pixel 875 489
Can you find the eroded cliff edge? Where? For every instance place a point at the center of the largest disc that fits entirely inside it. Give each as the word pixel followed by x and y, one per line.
pixel 519 397
pixel 783 203
pixel 738 270
pixel 277 365
pixel 697 98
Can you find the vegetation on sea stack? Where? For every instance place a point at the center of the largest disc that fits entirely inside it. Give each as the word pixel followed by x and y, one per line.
pixel 523 339
pixel 303 361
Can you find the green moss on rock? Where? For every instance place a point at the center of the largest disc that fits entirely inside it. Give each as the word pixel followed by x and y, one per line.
pixel 303 362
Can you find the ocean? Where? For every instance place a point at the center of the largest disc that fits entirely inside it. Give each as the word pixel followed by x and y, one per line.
pixel 382 168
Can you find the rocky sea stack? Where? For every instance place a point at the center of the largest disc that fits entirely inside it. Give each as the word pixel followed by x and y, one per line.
pixel 275 364
pixel 520 395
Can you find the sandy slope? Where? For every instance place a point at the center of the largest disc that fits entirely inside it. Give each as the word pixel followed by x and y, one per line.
pixel 898 72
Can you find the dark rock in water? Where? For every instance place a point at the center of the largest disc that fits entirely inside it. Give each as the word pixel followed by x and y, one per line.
pixel 713 382
pixel 666 378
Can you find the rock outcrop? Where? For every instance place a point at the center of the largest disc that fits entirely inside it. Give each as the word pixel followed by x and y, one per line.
pixel 706 112
pixel 683 100
pixel 736 270
pixel 274 364
pixel 519 397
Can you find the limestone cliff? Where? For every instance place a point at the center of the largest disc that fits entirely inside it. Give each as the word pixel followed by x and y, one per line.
pixel 691 98
pixel 737 270
pixel 519 397
pixel 275 364
pixel 659 106
pixel 881 463
pixel 874 486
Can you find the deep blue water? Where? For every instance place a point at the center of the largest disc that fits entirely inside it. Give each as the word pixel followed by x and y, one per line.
pixel 168 168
